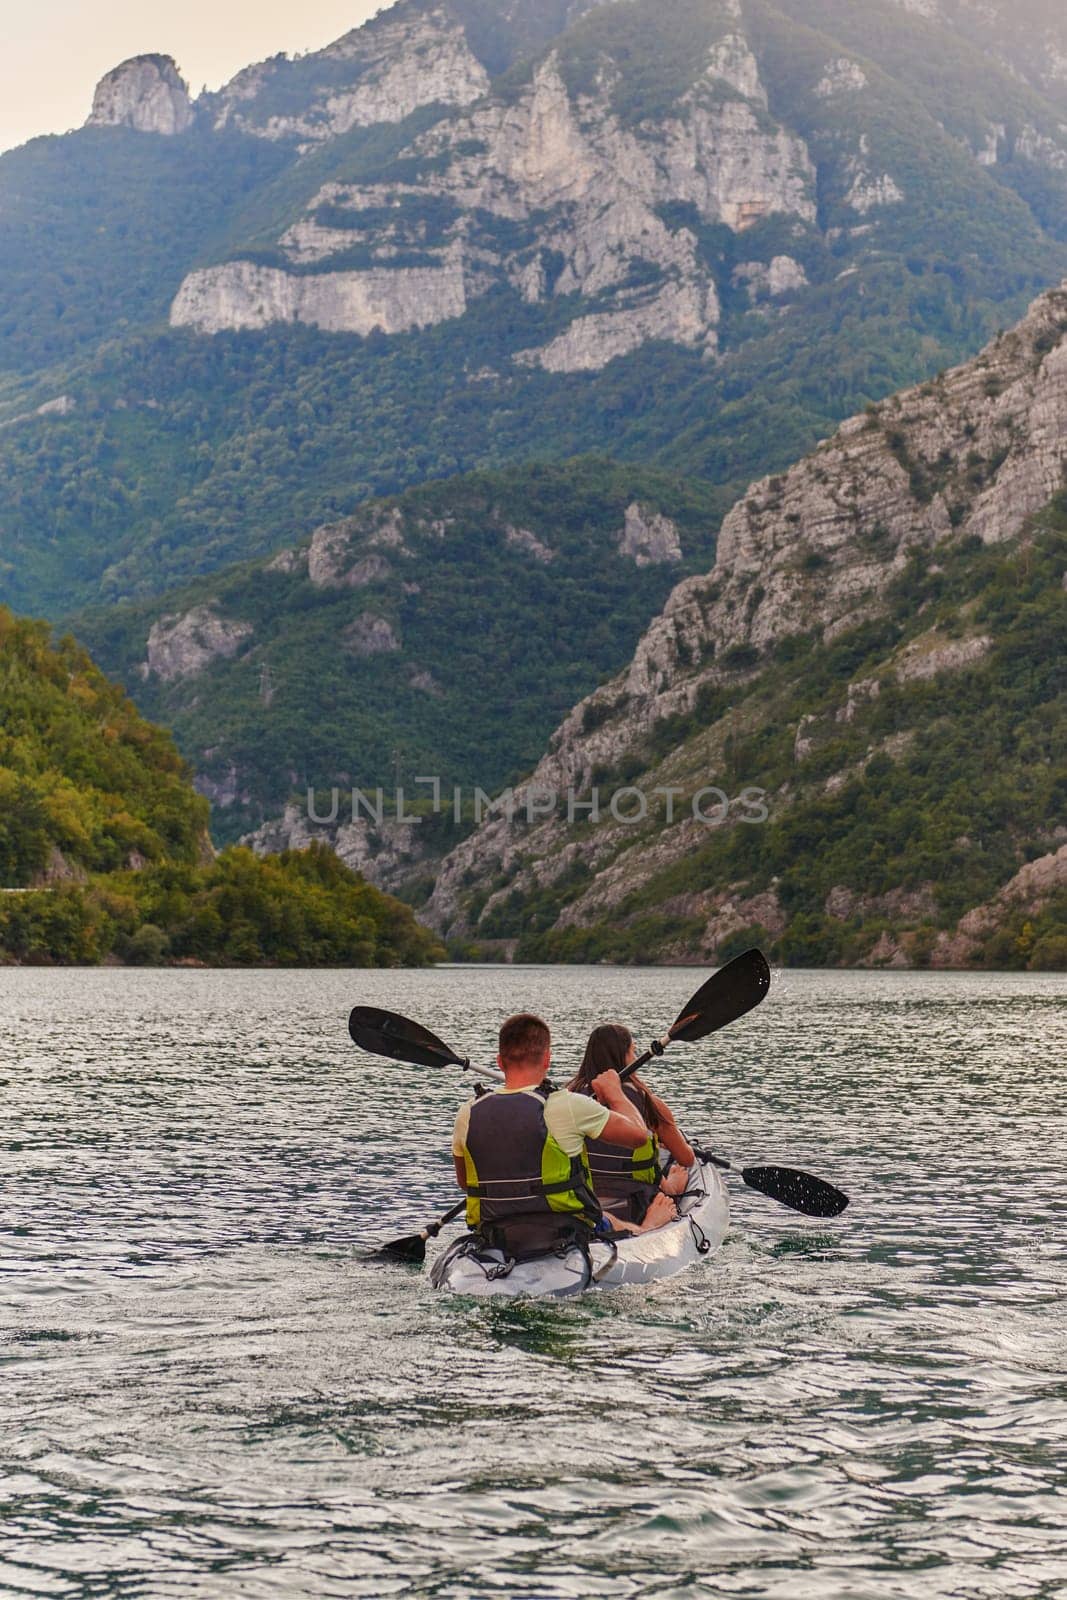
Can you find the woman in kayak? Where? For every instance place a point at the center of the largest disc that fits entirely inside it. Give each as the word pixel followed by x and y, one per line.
pixel 629 1183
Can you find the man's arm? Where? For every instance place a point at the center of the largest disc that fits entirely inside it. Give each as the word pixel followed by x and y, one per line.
pixel 459 1141
pixel 624 1125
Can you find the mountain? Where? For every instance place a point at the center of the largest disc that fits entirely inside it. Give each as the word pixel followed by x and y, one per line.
pixel 442 632
pixel 1029 38
pixel 858 718
pixel 104 850
pixel 693 234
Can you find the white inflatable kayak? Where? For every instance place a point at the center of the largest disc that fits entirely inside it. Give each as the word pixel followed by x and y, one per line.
pixel 704 1214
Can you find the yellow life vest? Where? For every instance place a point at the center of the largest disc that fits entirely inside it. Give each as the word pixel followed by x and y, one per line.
pixel 616 1169
pixel 515 1168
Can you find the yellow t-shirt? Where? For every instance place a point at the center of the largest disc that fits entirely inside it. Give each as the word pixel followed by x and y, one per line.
pixel 571 1119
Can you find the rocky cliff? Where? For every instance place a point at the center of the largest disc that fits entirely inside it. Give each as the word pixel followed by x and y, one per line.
pixel 184 646
pixel 146 93
pixel 583 182
pixel 692 231
pixel 849 545
pixel 548 190
pixel 243 295
pixel 403 59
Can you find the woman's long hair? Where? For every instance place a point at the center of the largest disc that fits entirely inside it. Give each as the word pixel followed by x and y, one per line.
pixel 607 1048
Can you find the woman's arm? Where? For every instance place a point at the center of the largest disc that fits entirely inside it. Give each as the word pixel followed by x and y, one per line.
pixel 673 1139
pixel 668 1132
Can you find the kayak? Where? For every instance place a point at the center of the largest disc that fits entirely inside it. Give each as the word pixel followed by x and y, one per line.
pixel 467 1267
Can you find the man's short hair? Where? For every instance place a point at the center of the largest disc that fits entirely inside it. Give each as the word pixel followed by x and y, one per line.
pixel 524 1040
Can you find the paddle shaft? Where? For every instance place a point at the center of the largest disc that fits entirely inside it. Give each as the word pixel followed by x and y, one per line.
pixel 434 1228
pixel 799 1191
pixel 642 1061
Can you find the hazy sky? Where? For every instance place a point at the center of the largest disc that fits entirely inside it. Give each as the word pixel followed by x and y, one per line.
pixel 54 51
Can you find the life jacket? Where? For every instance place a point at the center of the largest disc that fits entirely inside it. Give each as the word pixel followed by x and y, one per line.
pixel 618 1171
pixel 520 1182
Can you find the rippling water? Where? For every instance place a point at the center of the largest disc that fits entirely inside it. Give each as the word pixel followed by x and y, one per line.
pixel 205 1392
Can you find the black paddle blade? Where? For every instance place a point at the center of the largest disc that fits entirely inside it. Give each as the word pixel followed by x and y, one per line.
pixel 797 1190
pixel 727 995
pixel 384 1033
pixel 411 1250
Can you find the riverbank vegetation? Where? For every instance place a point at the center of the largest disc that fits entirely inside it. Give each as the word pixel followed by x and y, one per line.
pixel 105 854
pixel 300 909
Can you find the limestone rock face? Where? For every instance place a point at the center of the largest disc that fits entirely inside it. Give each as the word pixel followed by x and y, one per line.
pixel 222 789
pixel 781 275
pixel 680 314
pixel 61 406
pixel 553 180
pixel 731 61
pixel 349 554
pixel 928 660
pixel 842 76
pixel 182 646
pixel 240 294
pixel 426 683
pixel 870 190
pixel 545 189
pixel 145 93
pixel 975 453
pixel 384 853
pixel 1039 148
pixel 370 635
pixel 648 537
pixel 523 539
pixel 401 61
pixel 58 870
pixel 1030 889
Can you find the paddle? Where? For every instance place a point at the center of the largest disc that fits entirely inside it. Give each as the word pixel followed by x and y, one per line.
pixel 728 994
pixel 800 1191
pixel 385 1033
pixel 413 1246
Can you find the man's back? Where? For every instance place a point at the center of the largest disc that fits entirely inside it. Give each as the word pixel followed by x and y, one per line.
pixel 520 1151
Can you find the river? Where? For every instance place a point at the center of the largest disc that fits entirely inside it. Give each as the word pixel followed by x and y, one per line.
pixel 205 1392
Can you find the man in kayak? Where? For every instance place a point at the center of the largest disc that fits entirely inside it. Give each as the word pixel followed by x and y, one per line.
pixel 629 1182
pixel 520 1151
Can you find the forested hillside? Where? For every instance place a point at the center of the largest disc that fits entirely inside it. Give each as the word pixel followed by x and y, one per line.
pixel 744 222
pixel 1029 37
pixel 88 785
pixel 910 780
pixel 860 712
pixel 362 413
pixel 104 849
pixel 445 632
